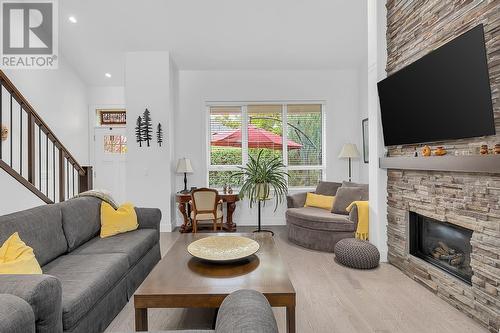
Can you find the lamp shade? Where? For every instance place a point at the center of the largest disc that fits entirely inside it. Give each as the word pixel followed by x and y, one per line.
pixel 184 165
pixel 349 150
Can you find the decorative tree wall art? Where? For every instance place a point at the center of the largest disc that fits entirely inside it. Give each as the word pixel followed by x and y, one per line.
pixel 147 127
pixel 138 131
pixel 159 134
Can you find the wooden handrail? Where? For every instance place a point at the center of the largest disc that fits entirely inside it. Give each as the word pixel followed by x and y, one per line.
pixel 62 178
pixel 11 88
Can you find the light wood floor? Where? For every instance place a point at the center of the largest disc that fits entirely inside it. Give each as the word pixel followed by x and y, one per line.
pixel 331 298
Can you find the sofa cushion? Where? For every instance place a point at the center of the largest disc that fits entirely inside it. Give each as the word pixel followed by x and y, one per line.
pixel 117 221
pixel 40 228
pixel 85 280
pixel 134 244
pixel 319 219
pixel 319 201
pixel 345 196
pixel 362 186
pixel 17 258
pixel 327 188
pixel 81 218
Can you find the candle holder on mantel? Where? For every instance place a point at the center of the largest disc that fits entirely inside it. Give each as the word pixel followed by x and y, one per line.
pixel 426 151
pixel 440 151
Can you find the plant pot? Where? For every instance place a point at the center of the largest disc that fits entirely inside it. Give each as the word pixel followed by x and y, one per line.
pixel 262 191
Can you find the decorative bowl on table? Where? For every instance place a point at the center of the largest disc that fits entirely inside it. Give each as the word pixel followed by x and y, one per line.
pixel 223 249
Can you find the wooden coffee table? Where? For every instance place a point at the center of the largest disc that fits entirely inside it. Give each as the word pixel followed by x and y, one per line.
pixel 181 281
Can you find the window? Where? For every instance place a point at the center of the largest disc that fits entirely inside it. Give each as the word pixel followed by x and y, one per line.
pixel 111 117
pixel 238 131
pixel 115 144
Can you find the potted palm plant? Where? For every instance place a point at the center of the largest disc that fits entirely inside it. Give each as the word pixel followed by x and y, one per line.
pixel 261 177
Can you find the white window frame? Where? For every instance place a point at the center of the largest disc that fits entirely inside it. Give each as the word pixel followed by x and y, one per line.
pixel 244 138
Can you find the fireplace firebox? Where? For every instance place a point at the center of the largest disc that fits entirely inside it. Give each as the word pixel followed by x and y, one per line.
pixel 444 245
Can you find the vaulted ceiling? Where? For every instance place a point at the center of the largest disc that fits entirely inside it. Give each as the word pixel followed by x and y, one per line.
pixel 212 34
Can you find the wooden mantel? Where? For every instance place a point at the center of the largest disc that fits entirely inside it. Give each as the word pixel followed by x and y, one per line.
pixel 474 163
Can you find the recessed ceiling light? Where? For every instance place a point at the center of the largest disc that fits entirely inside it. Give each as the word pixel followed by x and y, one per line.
pixel 107 75
pixel 72 19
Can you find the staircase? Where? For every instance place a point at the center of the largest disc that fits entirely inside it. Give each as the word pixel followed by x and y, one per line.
pixel 32 154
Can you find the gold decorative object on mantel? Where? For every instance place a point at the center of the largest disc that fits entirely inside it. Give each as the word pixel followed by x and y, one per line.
pixel 5 132
pixel 483 150
pixel 426 151
pixel 223 248
pixel 440 151
pixel 497 149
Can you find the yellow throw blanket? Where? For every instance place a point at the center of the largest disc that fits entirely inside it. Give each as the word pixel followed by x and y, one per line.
pixel 363 218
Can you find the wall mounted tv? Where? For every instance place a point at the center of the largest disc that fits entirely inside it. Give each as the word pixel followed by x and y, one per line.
pixel 444 95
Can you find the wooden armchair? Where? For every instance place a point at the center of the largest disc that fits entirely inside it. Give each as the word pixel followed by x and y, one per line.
pixel 207 206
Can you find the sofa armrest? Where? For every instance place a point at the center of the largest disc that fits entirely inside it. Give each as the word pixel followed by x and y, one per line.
pixel 16 315
pixel 43 293
pixel 353 215
pixel 148 218
pixel 245 311
pixel 296 200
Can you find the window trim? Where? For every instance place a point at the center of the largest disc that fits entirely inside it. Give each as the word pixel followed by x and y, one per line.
pixel 244 132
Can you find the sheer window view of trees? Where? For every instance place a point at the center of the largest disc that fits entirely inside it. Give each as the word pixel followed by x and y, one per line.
pixel 230 144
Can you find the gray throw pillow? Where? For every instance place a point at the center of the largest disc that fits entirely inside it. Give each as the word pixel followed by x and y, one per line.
pixel 363 186
pixel 345 196
pixel 327 188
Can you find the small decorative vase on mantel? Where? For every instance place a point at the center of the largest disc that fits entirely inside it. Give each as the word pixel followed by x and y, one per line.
pixel 497 149
pixel 440 151
pixel 483 150
pixel 426 151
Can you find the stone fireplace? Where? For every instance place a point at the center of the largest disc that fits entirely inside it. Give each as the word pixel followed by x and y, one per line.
pixel 454 200
pixel 458 205
pixel 444 245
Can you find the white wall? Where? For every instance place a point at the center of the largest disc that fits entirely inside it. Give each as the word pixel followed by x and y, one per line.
pixel 169 133
pixel 109 96
pixel 338 88
pixel 377 58
pixel 147 83
pixel 14 196
pixel 363 114
pixel 60 97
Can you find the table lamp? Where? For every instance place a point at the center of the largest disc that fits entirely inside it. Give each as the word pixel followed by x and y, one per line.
pixel 184 166
pixel 349 150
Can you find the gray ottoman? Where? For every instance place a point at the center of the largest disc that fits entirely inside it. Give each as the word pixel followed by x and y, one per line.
pixel 356 253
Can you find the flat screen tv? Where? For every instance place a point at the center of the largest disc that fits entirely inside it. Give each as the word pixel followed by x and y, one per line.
pixel 444 95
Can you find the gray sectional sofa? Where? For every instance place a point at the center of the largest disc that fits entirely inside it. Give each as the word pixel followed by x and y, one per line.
pixel 87 280
pixel 317 228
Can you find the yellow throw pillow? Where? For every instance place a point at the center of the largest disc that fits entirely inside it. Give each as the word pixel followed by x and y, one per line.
pixel 319 201
pixel 18 258
pixel 114 222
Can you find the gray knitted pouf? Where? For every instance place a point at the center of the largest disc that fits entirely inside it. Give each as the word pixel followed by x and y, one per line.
pixel 356 253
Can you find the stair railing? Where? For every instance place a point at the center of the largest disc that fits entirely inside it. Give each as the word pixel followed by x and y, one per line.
pixel 31 153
